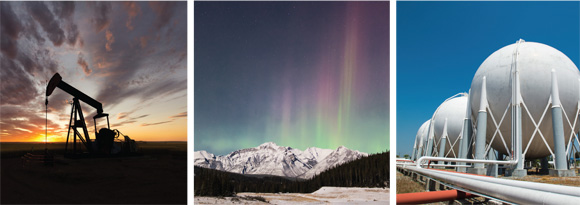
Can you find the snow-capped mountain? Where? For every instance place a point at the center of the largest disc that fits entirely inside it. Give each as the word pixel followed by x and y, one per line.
pixel 272 159
pixel 336 157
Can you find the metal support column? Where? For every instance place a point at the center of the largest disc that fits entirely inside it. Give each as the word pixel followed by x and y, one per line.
pixel 560 164
pixel 480 136
pixel 419 153
pixel 492 168
pixel 466 135
pixel 414 149
pixel 429 149
pixel 443 142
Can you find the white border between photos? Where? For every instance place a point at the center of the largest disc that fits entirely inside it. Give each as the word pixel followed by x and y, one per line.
pixel 393 101
pixel 190 111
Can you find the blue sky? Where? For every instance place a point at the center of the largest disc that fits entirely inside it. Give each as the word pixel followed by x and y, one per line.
pixel 440 45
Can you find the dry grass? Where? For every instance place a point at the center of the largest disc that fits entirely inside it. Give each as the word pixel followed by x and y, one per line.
pixel 406 185
pixel 567 181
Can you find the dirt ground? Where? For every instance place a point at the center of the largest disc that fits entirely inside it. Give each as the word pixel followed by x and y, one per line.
pixel 567 181
pixel 406 185
pixel 157 177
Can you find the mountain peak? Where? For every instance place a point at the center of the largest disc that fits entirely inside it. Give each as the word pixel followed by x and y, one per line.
pixel 268 144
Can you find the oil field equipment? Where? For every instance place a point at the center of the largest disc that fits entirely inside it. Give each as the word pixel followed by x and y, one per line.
pixel 106 141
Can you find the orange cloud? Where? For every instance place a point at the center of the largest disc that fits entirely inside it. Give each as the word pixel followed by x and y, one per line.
pixel 110 40
pixel 183 114
pixel 132 11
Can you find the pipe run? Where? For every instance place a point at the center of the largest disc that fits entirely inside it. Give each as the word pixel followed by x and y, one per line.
pixel 483 161
pixel 432 196
pixel 513 191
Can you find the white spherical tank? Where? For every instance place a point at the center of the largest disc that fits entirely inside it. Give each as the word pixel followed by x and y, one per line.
pixel 422 135
pixel 534 63
pixel 454 111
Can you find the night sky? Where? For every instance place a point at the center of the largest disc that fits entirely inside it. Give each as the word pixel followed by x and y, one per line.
pixel 440 46
pixel 130 56
pixel 300 74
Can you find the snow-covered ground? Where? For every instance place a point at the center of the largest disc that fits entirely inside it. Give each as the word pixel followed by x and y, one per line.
pixel 325 195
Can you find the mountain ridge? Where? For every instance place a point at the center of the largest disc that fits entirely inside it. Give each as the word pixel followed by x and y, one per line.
pixel 272 159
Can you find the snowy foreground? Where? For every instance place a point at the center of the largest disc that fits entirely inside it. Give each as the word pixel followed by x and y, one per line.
pixel 325 195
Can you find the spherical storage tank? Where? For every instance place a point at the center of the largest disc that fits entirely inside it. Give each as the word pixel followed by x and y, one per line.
pixel 454 111
pixel 534 63
pixel 421 137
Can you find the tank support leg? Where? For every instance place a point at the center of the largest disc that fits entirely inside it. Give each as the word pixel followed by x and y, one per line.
pixel 480 136
pixel 429 147
pixel 492 168
pixel 561 166
pixel 465 136
pixel 519 170
pixel 414 150
pixel 443 142
pixel 419 154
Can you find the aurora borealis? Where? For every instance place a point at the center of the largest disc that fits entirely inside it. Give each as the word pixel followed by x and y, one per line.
pixel 300 74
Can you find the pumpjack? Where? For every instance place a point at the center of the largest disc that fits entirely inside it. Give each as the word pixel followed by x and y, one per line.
pixel 107 142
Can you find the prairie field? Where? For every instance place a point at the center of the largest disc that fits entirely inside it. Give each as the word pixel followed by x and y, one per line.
pixel 159 176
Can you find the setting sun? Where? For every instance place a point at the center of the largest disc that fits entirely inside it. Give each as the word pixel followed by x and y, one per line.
pixel 50 138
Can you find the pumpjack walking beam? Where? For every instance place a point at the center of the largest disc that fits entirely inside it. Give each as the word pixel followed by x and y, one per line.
pixel 77 119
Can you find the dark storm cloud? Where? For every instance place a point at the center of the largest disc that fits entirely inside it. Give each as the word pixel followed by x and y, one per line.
pixel 124 72
pixel 27 63
pixel 8 46
pixel 17 87
pixel 38 64
pixel 31 32
pixel 47 21
pixel 10 24
pixel 84 65
pixel 11 28
pixel 164 11
pixel 101 11
pixel 63 9
pixel 72 33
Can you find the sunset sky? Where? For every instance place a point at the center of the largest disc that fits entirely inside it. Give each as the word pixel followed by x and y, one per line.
pixel 299 74
pixel 130 56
